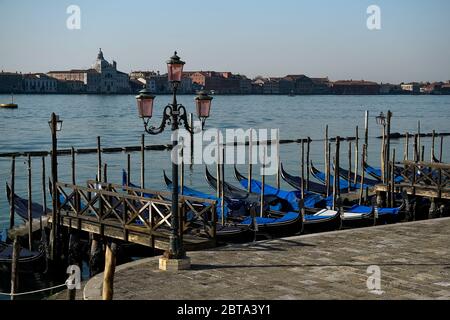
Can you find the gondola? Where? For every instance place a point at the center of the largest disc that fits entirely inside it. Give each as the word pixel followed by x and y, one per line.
pixel 275 221
pixel 367 181
pixel 28 261
pixel 376 172
pixel 344 184
pixel 351 216
pixel 270 201
pixel 229 232
pixel 311 200
pixel 242 214
pixel 21 206
pixel 296 183
pixel 317 219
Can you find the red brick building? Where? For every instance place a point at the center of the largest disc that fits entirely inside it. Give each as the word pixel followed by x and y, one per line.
pixel 351 87
pixel 219 82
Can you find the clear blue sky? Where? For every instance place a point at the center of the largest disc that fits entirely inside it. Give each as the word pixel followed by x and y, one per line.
pixel 253 37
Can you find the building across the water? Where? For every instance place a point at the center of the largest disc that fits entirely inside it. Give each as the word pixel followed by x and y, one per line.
pixel 412 88
pixel 103 77
pixel 10 82
pixel 39 83
pixel 351 87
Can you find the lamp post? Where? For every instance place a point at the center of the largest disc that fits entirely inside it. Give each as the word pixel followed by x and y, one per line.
pixel 55 125
pixel 385 121
pixel 174 114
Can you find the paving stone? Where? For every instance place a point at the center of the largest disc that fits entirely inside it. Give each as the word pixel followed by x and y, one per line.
pixel 413 259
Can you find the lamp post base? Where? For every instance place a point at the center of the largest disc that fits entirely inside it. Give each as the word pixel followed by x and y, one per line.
pixel 167 264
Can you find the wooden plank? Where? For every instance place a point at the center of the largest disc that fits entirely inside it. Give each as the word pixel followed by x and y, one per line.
pixel 190 243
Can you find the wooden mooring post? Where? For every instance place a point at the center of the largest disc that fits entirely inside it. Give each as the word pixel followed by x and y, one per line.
pixel 302 169
pixel 388 144
pixel 337 166
pixel 334 185
pixel 308 149
pixel 12 208
pixel 433 142
pixel 250 161
pixel 416 152
pixel 14 267
pixel 366 130
pixel 406 154
pixel 218 166
pixel 361 191
pixel 99 160
pixel 128 169
pixel 261 205
pixel 392 179
pixel 328 165
pixel 30 211
pixel 326 153
pixel 72 151
pixel 419 145
pixel 278 160
pixel 349 175
pixel 44 200
pixel 222 187
pixel 191 124
pixel 110 268
pixel 356 156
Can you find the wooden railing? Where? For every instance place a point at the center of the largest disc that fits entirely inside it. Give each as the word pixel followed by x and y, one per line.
pixel 432 177
pixel 142 210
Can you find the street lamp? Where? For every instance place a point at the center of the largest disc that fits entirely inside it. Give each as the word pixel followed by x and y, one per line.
pixel 381 119
pixel 385 122
pixel 55 125
pixel 58 123
pixel 174 114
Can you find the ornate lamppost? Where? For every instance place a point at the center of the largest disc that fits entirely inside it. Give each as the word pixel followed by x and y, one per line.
pixel 385 122
pixel 174 114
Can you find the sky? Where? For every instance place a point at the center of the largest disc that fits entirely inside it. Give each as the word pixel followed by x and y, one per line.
pixel 252 37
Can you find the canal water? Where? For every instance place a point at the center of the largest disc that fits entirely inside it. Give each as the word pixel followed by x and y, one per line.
pixel 114 118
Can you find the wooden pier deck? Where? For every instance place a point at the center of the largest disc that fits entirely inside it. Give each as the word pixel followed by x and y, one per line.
pixel 422 179
pixel 134 215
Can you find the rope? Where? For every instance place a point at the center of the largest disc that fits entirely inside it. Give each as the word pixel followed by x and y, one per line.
pixel 33 292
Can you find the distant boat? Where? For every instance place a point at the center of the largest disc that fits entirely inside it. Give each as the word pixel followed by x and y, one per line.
pixel 292 94
pixel 11 105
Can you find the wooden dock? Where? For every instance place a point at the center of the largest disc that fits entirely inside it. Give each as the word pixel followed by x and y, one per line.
pixel 423 179
pixel 134 215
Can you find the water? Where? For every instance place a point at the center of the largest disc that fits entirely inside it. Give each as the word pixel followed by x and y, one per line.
pixel 114 118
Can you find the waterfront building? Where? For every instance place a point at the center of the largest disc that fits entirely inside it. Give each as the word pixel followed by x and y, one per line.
pixel 302 83
pixel 321 85
pixel 387 88
pixel 10 82
pixel 218 82
pixel 245 84
pixel 39 83
pixel 258 85
pixel 271 86
pixel 287 86
pixel 71 86
pixel 412 88
pixel 142 74
pixel 103 77
pixel 351 87
pixel 445 88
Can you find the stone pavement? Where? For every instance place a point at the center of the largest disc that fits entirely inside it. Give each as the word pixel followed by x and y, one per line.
pixel 414 260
